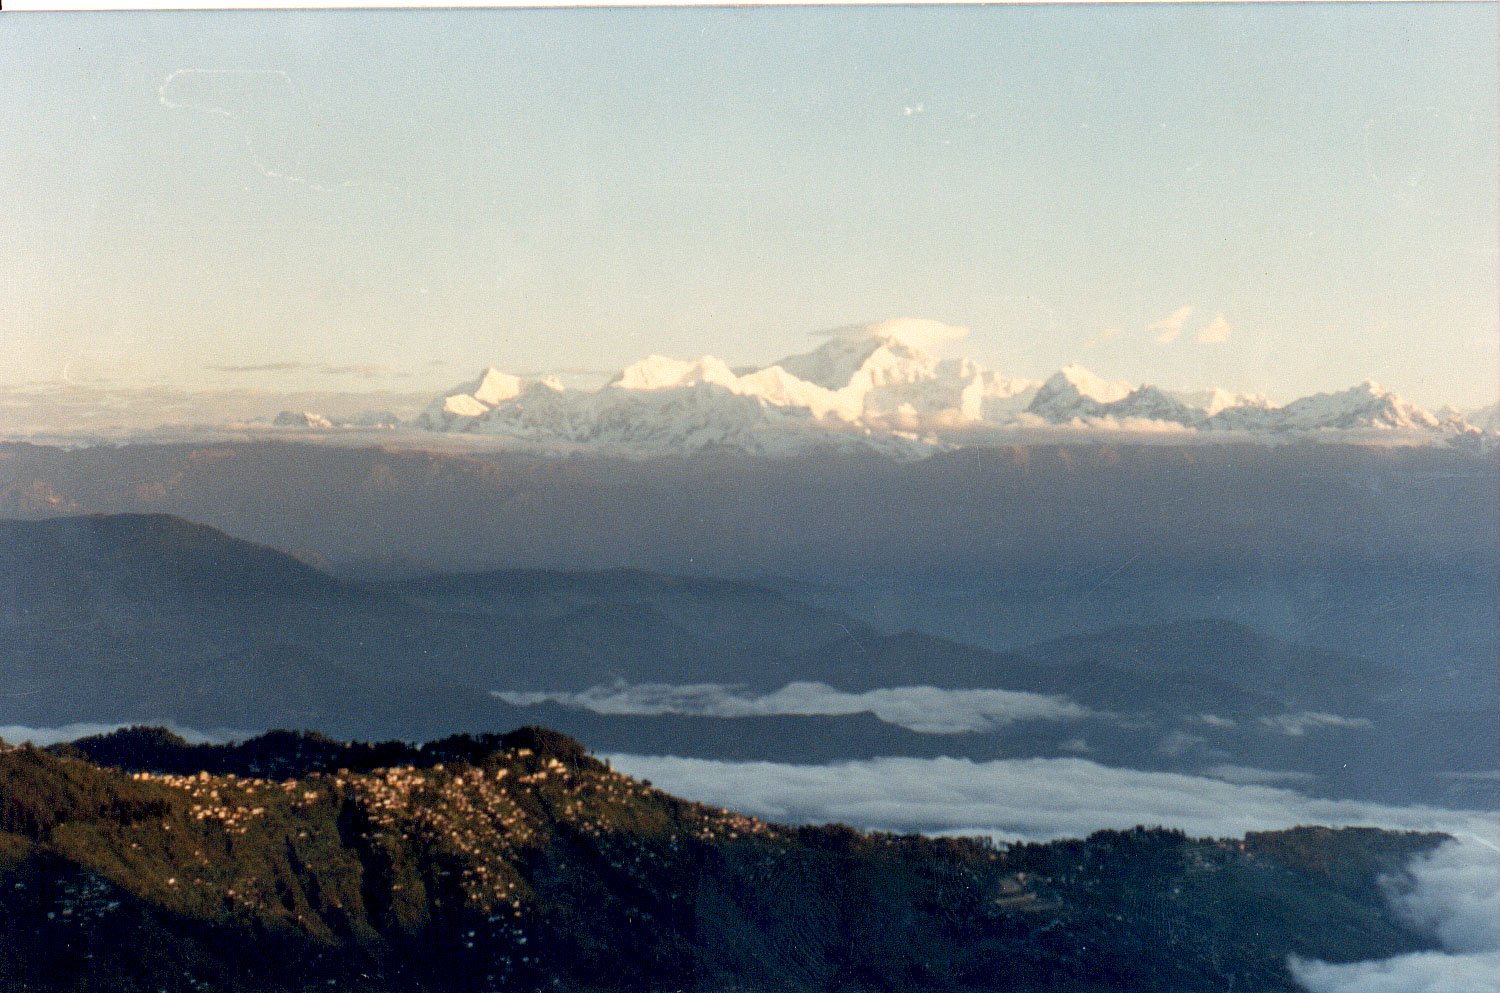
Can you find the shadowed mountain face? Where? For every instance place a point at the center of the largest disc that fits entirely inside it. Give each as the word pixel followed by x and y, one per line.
pixel 148 618
pixel 1218 512
pixel 294 862
pixel 152 554
pixel 1388 553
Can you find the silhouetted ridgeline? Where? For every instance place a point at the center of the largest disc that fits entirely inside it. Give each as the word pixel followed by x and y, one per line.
pixel 1269 509
pixel 291 861
pixel 111 620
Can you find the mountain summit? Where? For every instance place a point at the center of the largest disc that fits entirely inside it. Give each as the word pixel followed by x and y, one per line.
pixel 881 386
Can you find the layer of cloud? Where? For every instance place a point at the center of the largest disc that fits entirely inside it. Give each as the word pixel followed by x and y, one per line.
pixel 924 709
pixel 263 367
pixel 1216 332
pixel 1179 743
pixel 1452 895
pixel 70 411
pixel 1250 775
pixel 1135 425
pixel 918 332
pixel 1171 325
pixel 1298 724
pixel 362 371
pixel 1423 972
pixel 1032 799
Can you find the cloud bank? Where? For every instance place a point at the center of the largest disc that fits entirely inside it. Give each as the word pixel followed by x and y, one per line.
pixel 1422 972
pixel 1251 775
pixel 1300 723
pixel 1171 325
pixel 1028 799
pixel 924 709
pixel 1451 894
pixel 108 413
pixel 361 371
pixel 1216 332
pixel 923 333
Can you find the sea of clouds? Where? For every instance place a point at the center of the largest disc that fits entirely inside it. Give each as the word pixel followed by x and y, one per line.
pixel 1035 799
pixel 1452 894
pixel 924 709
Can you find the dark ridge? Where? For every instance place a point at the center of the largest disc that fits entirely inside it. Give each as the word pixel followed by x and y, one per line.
pixel 539 868
pixel 281 754
pixel 149 619
pixel 145 552
pixel 1268 508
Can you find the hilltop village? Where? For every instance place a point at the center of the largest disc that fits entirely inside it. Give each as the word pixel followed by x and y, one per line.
pixel 134 862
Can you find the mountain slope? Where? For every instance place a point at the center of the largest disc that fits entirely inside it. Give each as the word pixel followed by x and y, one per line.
pixel 138 630
pixel 153 554
pixel 1299 676
pixel 1030 509
pixel 151 618
pixel 166 602
pixel 518 862
pixel 1367 405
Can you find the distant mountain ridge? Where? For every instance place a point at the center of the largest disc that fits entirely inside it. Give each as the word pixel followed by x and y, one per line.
pixel 123 619
pixel 157 552
pixel 878 387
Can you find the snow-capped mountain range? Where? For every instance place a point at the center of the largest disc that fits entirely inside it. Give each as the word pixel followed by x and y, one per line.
pixel 878 387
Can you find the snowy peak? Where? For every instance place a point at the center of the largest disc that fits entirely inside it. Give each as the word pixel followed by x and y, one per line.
pixel 865 356
pixel 688 417
pixel 1075 395
pixel 472 400
pixel 495 387
pixel 1209 402
pixel 1149 403
pixel 1085 383
pixel 833 364
pixel 463 405
pixel 860 363
pixel 382 419
pixel 301 419
pixel 1486 419
pixel 1074 392
pixel 874 386
pixel 780 388
pixel 893 363
pixel 1367 405
pixel 657 372
pixel 881 386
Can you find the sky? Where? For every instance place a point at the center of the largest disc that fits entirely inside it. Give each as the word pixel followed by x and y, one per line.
pixel 1277 198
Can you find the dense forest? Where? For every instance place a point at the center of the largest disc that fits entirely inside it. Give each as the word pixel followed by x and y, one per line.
pixel 134 861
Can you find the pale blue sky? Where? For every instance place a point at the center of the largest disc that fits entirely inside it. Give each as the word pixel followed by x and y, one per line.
pixel 427 192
